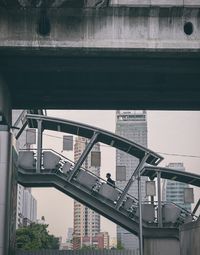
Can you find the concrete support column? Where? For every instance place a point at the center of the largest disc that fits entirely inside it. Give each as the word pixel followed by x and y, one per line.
pixel 4 191
pixel 164 246
pixel 189 238
pixel 5 163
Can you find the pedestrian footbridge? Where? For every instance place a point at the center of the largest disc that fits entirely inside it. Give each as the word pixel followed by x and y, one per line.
pixel 48 168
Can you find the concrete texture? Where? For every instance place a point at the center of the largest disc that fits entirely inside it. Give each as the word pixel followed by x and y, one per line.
pixel 5 192
pixel 160 246
pixel 99 3
pixel 132 28
pixel 5 103
pixel 163 3
pixel 189 238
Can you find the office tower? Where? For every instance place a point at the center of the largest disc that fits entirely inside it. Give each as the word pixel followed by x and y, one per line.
pixel 29 211
pixel 26 207
pixel 173 191
pixel 26 203
pixel 70 233
pixel 133 126
pixel 86 221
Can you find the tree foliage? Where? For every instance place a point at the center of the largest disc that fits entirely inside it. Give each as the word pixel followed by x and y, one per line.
pixel 88 247
pixel 35 237
pixel 119 246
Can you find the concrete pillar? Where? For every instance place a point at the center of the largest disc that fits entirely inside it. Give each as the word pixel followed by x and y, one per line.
pixel 189 238
pixel 6 175
pixel 161 246
pixel 5 104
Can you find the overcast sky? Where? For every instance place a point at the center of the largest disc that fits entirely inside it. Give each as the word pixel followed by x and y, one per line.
pixel 170 132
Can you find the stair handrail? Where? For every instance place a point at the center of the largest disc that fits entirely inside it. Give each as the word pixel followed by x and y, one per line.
pixel 104 181
pixel 82 168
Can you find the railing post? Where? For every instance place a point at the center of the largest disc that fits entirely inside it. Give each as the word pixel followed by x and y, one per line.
pixel 84 155
pixel 39 146
pixel 140 214
pixel 159 200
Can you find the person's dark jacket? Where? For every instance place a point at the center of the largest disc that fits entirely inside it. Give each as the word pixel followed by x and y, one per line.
pixel 111 182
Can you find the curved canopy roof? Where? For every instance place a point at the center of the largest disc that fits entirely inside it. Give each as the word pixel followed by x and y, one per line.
pixel 172 174
pixel 75 128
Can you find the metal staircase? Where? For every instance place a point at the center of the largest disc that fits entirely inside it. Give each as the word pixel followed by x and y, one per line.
pixel 47 168
pixel 95 193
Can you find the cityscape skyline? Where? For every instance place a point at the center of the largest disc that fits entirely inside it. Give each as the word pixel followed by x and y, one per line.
pixel 169 132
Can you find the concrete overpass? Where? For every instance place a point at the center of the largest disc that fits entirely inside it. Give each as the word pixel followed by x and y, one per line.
pixel 131 54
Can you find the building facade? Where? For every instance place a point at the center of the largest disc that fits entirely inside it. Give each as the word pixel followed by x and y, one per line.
pixel 26 203
pixel 173 191
pixel 99 241
pixel 86 221
pixel 133 126
pixel 70 232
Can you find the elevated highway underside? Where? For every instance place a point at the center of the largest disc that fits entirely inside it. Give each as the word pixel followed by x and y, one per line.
pixel 102 83
pixel 107 58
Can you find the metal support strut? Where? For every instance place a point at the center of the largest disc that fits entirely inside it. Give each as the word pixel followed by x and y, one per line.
pixel 84 155
pixel 39 146
pixel 140 214
pixel 135 173
pixel 159 200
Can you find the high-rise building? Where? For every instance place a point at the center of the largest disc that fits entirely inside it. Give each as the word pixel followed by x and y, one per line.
pixel 173 191
pixel 70 233
pixel 86 221
pixel 133 126
pixel 26 203
pixel 29 208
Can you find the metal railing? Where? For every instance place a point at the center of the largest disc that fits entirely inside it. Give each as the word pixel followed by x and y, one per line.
pixel 132 210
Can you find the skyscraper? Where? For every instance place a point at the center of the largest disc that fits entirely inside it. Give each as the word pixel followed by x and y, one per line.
pixel 86 221
pixel 173 191
pixel 133 126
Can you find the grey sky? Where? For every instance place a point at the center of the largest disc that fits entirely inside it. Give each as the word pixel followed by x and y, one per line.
pixel 168 132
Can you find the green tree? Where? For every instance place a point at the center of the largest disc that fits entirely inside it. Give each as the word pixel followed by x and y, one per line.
pixel 87 247
pixel 119 246
pixel 35 237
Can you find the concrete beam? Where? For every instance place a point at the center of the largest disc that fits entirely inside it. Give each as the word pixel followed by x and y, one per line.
pixel 99 3
pixel 110 28
pixel 105 58
pixel 159 3
pixel 5 104
pixel 55 3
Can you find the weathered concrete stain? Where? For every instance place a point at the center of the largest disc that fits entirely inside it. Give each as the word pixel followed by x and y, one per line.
pixel 134 28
